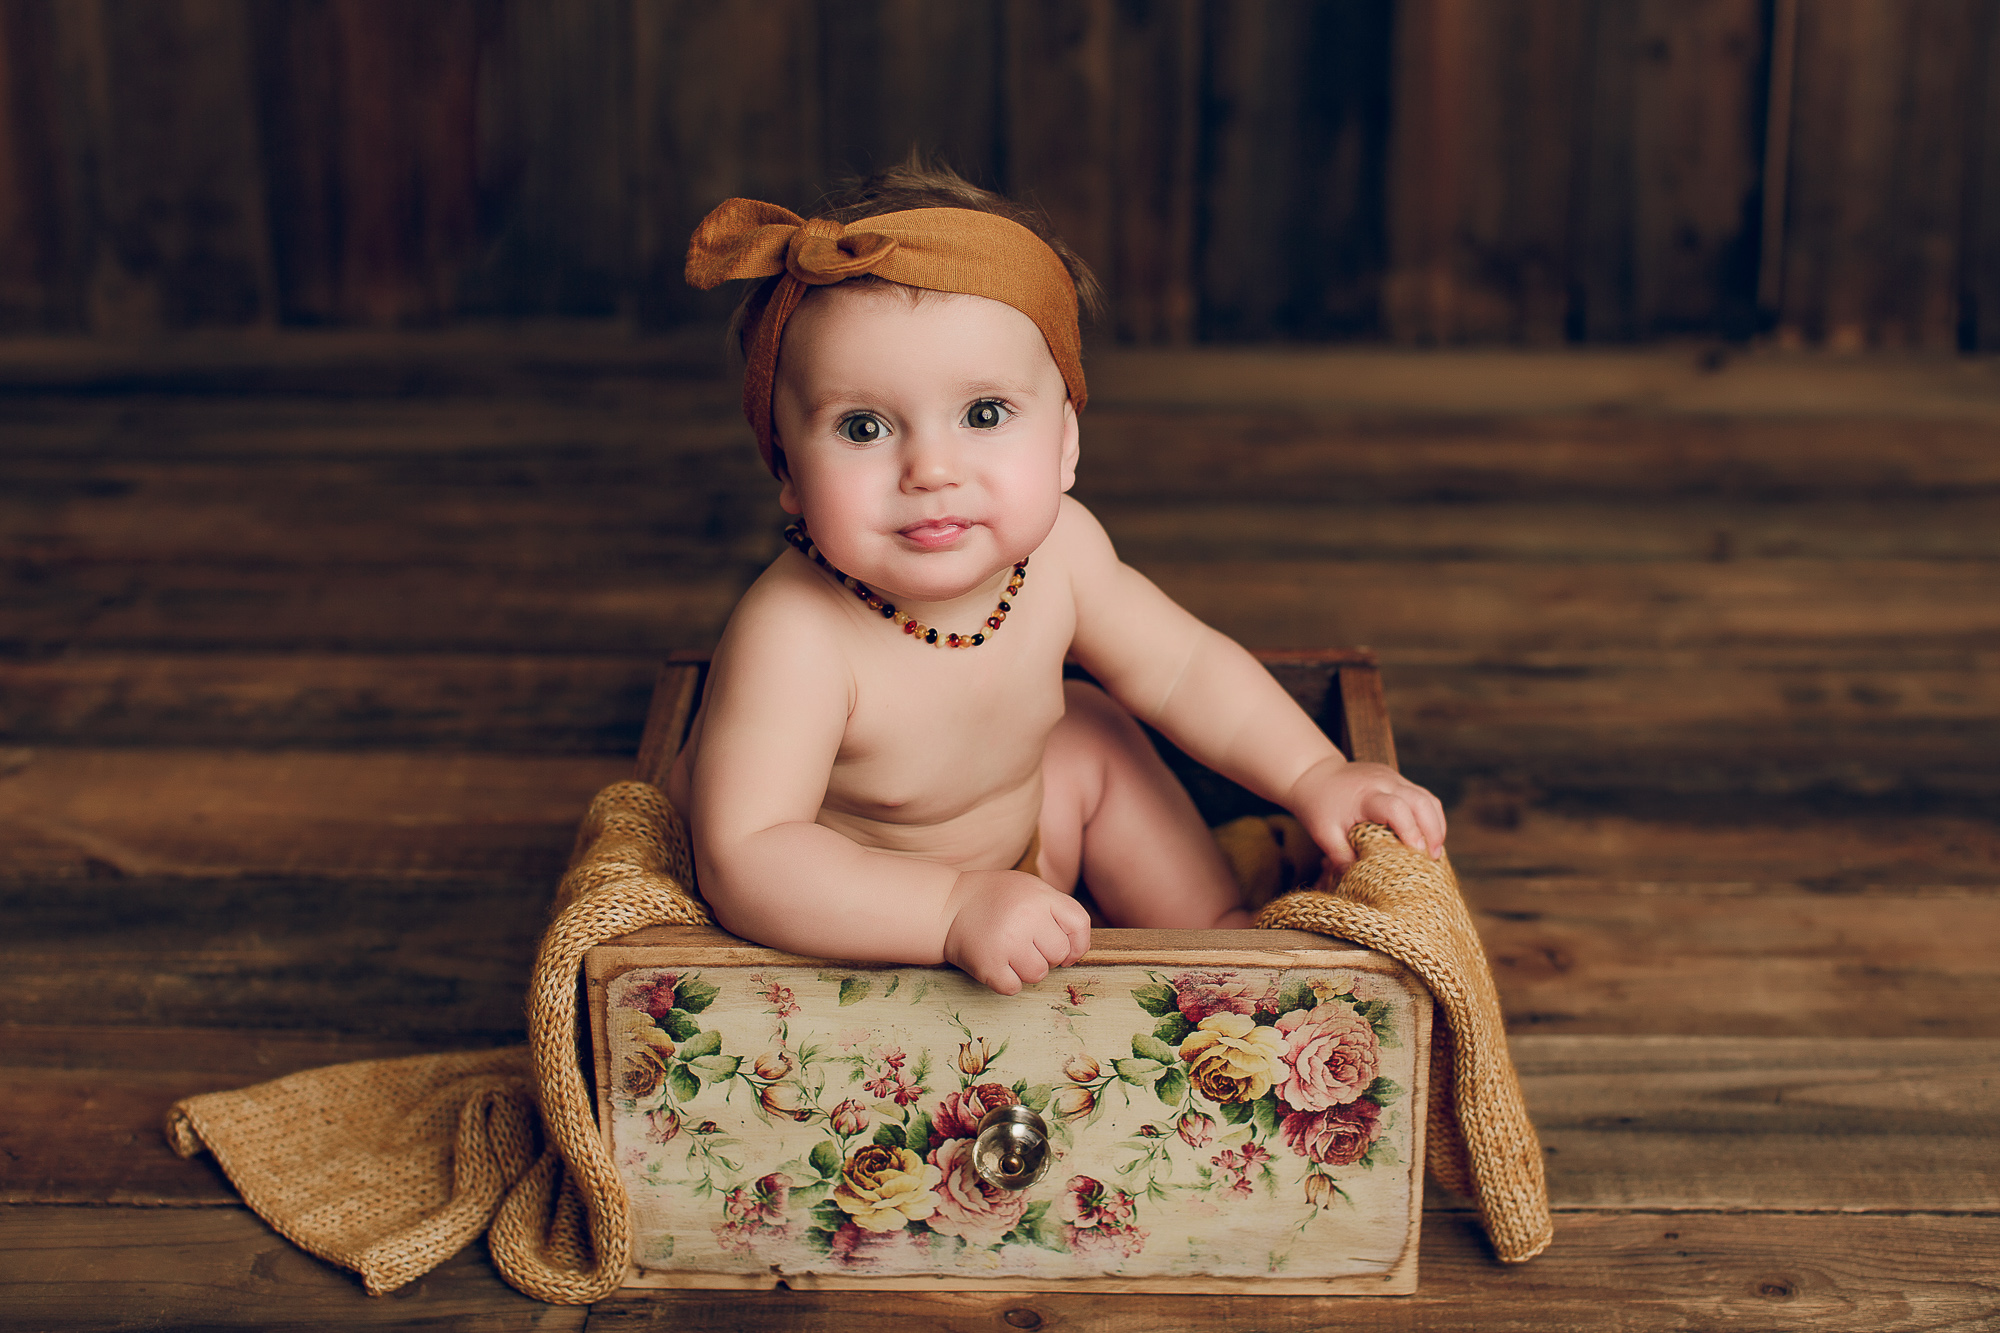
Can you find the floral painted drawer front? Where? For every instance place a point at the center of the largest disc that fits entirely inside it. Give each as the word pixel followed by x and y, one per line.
pixel 1250 1123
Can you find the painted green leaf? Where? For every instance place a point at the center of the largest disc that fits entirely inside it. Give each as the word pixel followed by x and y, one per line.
pixel 694 995
pixel 825 1159
pixel 1295 994
pixel 818 1241
pixel 1156 998
pixel 1235 1113
pixel 1172 1086
pixel 1266 1112
pixel 679 1025
pixel 700 1044
pixel 1152 1048
pixel 917 1138
pixel 889 1136
pixel 683 1084
pixel 1382 1091
pixel 829 1214
pixel 854 989
pixel 715 1068
pixel 1035 1096
pixel 1173 1029
pixel 1136 1072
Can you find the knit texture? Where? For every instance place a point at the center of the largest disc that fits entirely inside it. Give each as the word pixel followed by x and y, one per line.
pixel 1479 1140
pixel 389 1167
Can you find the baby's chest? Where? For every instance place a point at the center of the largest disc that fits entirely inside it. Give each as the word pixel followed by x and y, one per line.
pixel 932 724
pixel 1177 1109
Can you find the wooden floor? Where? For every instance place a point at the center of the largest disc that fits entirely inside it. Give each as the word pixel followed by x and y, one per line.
pixel 312 649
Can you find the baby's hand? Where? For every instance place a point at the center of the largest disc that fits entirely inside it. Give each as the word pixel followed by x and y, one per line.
pixel 1332 797
pixel 1010 928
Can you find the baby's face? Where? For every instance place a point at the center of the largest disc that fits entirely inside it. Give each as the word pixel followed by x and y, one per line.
pixel 927 444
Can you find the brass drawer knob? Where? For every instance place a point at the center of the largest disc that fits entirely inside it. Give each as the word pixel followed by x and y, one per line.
pixel 1012 1150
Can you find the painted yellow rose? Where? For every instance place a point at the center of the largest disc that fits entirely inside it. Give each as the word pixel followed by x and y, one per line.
pixel 1231 1059
pixel 885 1189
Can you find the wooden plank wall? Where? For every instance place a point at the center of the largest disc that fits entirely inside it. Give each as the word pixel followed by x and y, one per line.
pixel 1434 171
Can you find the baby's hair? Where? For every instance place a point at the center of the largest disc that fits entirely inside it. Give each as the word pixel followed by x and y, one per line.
pixel 917 182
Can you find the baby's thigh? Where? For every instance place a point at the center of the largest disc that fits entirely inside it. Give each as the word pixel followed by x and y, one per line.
pixel 1114 815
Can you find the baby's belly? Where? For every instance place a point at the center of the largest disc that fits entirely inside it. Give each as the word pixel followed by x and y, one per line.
pixel 987 832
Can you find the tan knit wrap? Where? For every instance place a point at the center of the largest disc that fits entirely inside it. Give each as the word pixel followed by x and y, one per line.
pixel 389 1167
pixel 939 249
pixel 1480 1141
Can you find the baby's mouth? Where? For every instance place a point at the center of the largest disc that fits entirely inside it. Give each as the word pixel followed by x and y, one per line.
pixel 936 533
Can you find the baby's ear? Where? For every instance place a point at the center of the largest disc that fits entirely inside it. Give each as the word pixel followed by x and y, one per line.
pixel 788 493
pixel 1072 444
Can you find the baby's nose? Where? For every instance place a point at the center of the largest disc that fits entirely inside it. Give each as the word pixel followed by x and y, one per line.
pixel 929 465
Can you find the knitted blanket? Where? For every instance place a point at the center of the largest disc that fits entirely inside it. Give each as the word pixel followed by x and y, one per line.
pixel 389 1167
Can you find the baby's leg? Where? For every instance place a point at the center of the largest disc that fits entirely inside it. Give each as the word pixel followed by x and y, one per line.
pixel 1112 812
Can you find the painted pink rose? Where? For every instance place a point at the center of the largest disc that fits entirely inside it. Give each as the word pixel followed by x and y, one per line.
pixel 662 1124
pixel 653 997
pixel 849 1118
pixel 1330 1057
pixel 958 1115
pixel 967 1205
pixel 1339 1136
pixel 1106 1245
pixel 1087 1203
pixel 762 1202
pixel 1200 994
pixel 1196 1130
pixel 857 1247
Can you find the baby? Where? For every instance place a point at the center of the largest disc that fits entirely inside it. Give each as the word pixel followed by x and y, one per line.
pixel 888 764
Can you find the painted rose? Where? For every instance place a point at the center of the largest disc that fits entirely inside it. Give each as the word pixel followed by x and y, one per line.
pixel 958 1115
pixel 1231 1059
pixel 1320 1190
pixel 885 1189
pixel 1080 1069
pixel 1339 1136
pixel 1106 1245
pixel 641 1075
pixel 1196 1130
pixel 853 1246
pixel 1085 1202
pixel 1330 1056
pixel 653 998
pixel 967 1205
pixel 1072 1102
pixel 849 1118
pixel 1200 994
pixel 761 1203
pixel 637 1029
pixel 774 1063
pixel 662 1125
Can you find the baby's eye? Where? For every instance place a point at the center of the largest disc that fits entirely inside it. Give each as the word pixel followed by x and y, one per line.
pixel 986 414
pixel 861 428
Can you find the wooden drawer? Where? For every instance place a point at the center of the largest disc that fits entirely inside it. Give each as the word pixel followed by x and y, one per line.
pixel 1225 1110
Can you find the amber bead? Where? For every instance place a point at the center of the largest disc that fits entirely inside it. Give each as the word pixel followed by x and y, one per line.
pixel 930 636
pixel 978 639
pixel 910 627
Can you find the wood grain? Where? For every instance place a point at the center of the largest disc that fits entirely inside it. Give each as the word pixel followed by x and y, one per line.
pixel 118 1269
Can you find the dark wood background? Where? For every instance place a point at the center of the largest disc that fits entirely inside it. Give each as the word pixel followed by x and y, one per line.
pixel 1535 171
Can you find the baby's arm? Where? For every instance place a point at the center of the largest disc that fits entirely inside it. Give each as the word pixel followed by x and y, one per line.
pixel 1218 703
pixel 776 708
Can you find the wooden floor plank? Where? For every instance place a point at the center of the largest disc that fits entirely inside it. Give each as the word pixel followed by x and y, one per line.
pixel 120 1268
pixel 1759 1123
pixel 116 1269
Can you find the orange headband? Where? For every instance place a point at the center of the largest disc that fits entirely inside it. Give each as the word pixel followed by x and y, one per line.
pixel 940 249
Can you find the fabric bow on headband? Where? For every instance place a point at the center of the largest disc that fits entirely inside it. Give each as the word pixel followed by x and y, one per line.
pixel 940 249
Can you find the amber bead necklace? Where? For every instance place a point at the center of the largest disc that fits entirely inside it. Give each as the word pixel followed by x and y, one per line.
pixel 917 629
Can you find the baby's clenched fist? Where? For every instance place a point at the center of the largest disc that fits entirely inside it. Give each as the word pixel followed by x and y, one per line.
pixel 1009 929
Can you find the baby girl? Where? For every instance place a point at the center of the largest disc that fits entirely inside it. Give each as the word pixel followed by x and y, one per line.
pixel 888 764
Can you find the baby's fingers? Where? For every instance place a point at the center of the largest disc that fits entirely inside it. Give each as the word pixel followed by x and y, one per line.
pixel 1400 814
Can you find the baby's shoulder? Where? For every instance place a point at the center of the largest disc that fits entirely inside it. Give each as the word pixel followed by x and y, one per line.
pixel 786 617
pixel 1078 544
